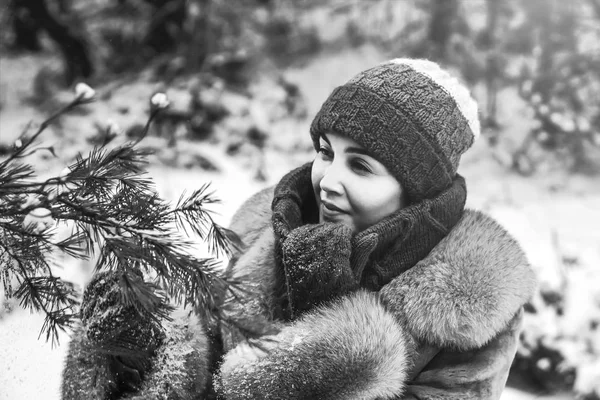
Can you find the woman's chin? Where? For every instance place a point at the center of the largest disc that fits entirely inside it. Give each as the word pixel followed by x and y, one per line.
pixel 337 219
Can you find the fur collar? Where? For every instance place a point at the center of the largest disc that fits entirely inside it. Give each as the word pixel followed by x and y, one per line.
pixel 467 289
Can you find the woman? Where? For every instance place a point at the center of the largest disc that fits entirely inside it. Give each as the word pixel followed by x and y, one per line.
pixel 383 285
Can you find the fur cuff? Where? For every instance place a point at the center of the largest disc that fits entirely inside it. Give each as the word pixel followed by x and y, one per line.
pixel 351 348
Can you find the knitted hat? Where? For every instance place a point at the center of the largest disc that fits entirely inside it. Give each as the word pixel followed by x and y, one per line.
pixel 411 115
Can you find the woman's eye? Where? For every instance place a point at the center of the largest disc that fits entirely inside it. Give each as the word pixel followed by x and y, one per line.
pixel 325 152
pixel 360 166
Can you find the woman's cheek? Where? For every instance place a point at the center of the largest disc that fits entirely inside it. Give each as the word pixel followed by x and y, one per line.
pixel 316 175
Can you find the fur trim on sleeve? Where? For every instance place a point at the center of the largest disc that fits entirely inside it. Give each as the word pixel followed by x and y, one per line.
pixel 351 348
pixel 254 305
pixel 467 289
pixel 257 269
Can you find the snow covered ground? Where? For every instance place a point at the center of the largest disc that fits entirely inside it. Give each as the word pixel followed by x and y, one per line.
pixel 552 215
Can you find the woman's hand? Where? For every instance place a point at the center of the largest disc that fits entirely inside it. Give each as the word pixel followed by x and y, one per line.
pixel 317 264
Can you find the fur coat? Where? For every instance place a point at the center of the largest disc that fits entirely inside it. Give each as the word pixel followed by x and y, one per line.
pixel 447 328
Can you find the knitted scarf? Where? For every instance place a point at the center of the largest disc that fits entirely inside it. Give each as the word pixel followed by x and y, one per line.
pixel 380 252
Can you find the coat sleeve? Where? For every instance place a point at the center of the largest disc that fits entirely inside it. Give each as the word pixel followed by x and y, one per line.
pixel 251 219
pixel 349 348
pixel 252 305
pixel 253 268
pixel 477 374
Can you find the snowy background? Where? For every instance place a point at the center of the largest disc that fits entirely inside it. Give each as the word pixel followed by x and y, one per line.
pixel 553 213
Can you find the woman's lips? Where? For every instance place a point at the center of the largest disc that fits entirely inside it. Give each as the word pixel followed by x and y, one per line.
pixel 332 208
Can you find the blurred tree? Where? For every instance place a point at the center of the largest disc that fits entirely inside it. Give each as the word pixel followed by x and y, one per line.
pixel 560 82
pixel 25 28
pixel 175 37
pixel 491 82
pixel 166 24
pixel 31 16
pixel 178 36
pixel 548 49
pixel 442 24
pixel 595 5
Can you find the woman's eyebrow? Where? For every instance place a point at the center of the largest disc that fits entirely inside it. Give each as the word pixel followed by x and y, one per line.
pixel 357 150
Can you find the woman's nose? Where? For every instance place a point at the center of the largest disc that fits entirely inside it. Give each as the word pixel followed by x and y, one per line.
pixel 331 181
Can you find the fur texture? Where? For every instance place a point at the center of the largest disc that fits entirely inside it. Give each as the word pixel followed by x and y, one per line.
pixel 252 271
pixel 468 375
pixel 255 270
pixel 457 314
pixel 257 209
pixel 356 351
pixel 467 289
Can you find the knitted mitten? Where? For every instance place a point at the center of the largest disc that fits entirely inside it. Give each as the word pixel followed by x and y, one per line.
pixel 316 259
pixel 127 336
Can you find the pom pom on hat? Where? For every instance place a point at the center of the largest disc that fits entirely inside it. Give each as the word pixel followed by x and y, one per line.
pixel 411 115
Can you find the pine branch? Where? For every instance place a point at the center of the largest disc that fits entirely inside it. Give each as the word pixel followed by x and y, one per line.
pixel 56 298
pixel 112 208
pixel 223 238
pixel 145 296
pixel 10 174
pixel 191 214
pixel 75 245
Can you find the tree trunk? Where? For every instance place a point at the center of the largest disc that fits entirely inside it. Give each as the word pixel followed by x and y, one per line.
pixel 77 60
pixel 492 68
pixel 166 24
pixel 595 4
pixel 441 25
pixel 24 28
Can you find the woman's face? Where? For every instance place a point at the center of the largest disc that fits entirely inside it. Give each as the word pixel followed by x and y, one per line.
pixel 350 186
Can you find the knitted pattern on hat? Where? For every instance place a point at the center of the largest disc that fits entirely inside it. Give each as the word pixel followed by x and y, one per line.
pixel 411 115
